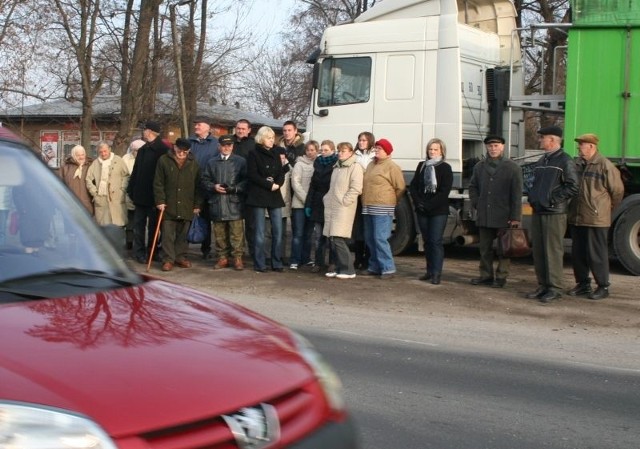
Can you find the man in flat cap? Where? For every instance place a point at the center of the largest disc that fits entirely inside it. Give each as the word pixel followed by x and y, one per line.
pixel 600 191
pixel 225 180
pixel 495 192
pixel 140 190
pixel 176 188
pixel 555 183
pixel 204 147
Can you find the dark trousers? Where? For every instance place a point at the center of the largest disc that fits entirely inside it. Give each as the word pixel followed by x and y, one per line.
pixel 145 220
pixel 432 230
pixel 547 242
pixel 343 260
pixel 590 253
pixel 487 255
pixel 249 228
pixel 174 240
pixel 205 246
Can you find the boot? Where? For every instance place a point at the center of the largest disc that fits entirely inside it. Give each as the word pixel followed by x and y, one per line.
pixel 237 264
pixel 425 277
pixel 221 263
pixel 435 278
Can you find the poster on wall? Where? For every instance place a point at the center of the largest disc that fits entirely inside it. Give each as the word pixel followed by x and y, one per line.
pixel 49 148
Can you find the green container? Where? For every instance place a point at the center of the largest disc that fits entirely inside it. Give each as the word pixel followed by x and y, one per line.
pixel 603 89
pixel 605 12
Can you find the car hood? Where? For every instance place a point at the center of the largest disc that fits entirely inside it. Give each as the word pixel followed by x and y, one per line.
pixel 144 357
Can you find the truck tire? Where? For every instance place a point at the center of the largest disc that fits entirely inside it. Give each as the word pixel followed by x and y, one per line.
pixel 403 234
pixel 626 239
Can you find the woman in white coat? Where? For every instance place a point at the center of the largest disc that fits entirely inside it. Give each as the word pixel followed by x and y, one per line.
pixel 340 205
pixel 107 181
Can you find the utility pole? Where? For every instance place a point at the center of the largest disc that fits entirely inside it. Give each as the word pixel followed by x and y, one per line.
pixel 178 63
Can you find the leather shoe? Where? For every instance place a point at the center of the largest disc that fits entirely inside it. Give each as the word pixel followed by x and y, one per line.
pixel 482 281
pixel 237 264
pixel 550 296
pixel 387 276
pixel 167 266
pixel 499 283
pixel 221 263
pixel 425 277
pixel 580 289
pixel 600 293
pixel 435 278
pixel 184 263
pixel 536 294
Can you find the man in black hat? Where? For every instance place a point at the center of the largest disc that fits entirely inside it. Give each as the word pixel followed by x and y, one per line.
pixel 495 192
pixel 555 184
pixel 204 147
pixel 140 190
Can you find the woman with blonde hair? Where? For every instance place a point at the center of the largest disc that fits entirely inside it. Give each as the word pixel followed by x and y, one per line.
pixel 265 176
pixel 429 190
pixel 74 175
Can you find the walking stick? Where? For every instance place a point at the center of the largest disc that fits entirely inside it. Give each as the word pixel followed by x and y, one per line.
pixel 155 239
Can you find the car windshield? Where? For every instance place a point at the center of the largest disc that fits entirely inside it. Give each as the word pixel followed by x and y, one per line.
pixel 49 244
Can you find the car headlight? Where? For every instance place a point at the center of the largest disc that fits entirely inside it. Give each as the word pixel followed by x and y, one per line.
pixel 327 377
pixel 25 426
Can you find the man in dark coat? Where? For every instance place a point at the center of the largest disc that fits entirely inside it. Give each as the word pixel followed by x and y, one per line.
pixel 176 187
pixel 495 192
pixel 140 190
pixel 225 180
pixel 204 147
pixel 555 183
pixel 292 141
pixel 243 143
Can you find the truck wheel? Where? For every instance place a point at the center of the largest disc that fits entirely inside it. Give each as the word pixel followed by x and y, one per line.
pixel 626 239
pixel 403 234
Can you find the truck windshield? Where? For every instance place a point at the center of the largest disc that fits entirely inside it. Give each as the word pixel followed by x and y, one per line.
pixel 344 81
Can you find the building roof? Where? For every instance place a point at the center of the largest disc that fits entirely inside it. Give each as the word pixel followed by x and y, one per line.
pixel 105 106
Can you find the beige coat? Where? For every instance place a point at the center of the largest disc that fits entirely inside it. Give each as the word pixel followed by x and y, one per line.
pixel 300 180
pixel 110 208
pixel 383 184
pixel 341 200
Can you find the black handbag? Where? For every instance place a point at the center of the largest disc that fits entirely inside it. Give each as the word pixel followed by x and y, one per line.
pixel 513 242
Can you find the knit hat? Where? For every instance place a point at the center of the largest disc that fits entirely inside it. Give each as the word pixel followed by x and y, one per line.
pixel 385 145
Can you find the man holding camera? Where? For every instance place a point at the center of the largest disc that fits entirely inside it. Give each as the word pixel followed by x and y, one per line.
pixel 224 178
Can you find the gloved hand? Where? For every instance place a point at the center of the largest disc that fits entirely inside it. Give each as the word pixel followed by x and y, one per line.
pixel 307 212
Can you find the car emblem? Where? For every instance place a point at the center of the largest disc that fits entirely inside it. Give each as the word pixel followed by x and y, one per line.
pixel 254 427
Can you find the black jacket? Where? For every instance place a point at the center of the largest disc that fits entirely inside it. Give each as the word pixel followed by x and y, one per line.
pixel 232 172
pixel 140 187
pixel 555 182
pixel 318 188
pixel 242 147
pixel 428 203
pixel 263 170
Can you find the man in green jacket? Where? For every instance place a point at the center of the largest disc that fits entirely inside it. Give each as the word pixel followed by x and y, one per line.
pixel 176 192
pixel 600 191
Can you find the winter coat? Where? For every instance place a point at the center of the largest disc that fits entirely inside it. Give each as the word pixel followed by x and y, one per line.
pixel 285 191
pixel 263 170
pixel 140 188
pixel 294 150
pixel 300 180
pixel 600 191
pixel 496 194
pixel 383 184
pixel 110 208
pixel 242 147
pixel 341 201
pixel 177 187
pixel 232 172
pixel 555 182
pixel 432 203
pixel 319 186
pixel 77 185
pixel 204 150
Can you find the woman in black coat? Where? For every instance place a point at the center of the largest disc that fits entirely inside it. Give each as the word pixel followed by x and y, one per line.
pixel 265 176
pixel 314 205
pixel 429 190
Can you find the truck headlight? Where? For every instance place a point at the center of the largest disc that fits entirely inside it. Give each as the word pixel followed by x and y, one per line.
pixel 328 378
pixel 27 426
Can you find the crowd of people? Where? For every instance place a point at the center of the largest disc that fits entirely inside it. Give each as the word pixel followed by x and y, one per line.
pixel 341 199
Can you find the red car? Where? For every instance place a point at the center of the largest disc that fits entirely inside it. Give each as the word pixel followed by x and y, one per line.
pixel 93 355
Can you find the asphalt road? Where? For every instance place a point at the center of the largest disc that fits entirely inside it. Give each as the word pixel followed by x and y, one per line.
pixel 415 395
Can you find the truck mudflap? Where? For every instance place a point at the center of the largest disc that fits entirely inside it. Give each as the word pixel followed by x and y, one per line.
pixel 626 239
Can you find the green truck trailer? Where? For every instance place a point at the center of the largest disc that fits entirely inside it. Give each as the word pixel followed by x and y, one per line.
pixel 603 97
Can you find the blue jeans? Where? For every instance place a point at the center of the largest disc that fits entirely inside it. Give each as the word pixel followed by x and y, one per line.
pixel 260 222
pixel 377 230
pixel 302 230
pixel 432 230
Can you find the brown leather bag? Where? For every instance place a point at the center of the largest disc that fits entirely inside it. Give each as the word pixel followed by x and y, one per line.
pixel 513 242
